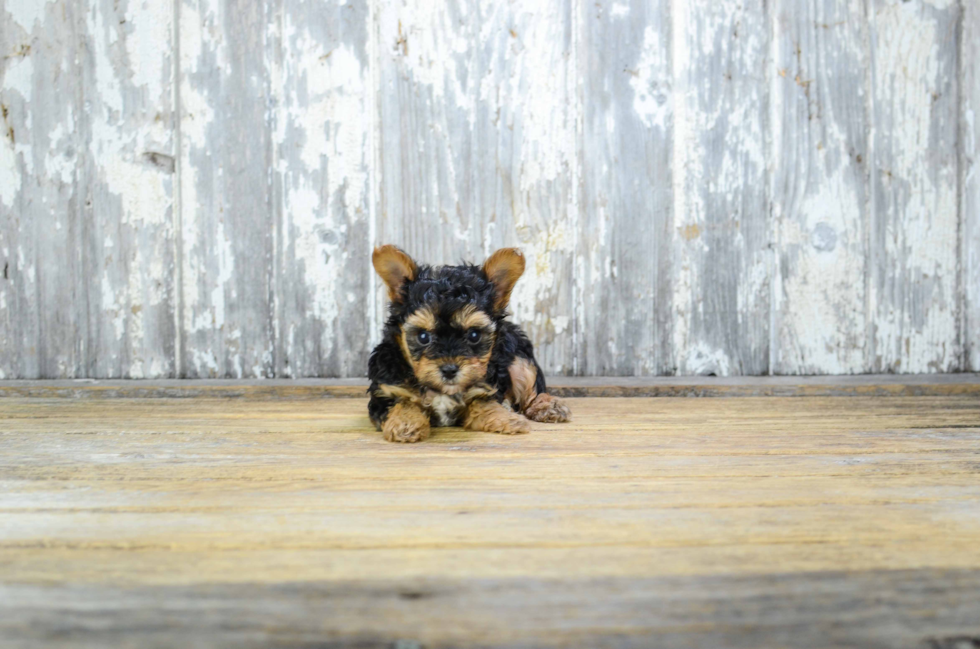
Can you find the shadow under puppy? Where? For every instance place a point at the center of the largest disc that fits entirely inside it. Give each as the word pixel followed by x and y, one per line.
pixel 449 356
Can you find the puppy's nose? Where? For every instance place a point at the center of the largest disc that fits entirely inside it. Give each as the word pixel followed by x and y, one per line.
pixel 449 371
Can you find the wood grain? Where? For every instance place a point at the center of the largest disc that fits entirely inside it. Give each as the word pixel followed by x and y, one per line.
pixel 667 521
pixel 42 299
pixel 820 96
pixel 126 227
pixel 88 163
pixel 721 266
pixel 226 162
pixel 322 132
pixel 889 385
pixel 623 262
pixel 969 88
pixel 934 608
pixel 914 233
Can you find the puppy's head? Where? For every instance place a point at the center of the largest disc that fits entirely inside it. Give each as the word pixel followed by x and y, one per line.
pixel 445 318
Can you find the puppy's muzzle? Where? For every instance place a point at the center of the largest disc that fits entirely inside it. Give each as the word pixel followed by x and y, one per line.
pixel 449 371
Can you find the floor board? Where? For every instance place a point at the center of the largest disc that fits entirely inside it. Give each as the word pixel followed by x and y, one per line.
pixel 742 522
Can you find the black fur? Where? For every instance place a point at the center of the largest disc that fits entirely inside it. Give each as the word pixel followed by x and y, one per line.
pixel 446 290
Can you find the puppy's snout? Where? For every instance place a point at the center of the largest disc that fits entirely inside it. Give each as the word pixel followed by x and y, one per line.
pixel 449 371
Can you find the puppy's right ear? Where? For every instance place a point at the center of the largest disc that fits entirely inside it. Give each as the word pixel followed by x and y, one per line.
pixel 395 268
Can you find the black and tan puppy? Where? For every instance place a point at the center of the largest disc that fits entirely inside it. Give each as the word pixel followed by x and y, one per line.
pixel 449 356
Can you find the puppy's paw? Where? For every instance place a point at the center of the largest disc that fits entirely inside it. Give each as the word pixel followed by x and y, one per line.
pixel 405 431
pixel 516 425
pixel 406 424
pixel 493 417
pixel 548 409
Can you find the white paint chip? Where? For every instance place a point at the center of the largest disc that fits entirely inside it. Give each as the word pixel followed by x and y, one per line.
pixel 27 13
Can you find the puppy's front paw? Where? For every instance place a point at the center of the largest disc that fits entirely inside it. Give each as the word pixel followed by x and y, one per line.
pixel 492 417
pixel 406 424
pixel 548 409
pixel 514 425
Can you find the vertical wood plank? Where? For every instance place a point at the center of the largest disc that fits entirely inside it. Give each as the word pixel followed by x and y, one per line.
pixel 478 146
pixel 625 242
pixel 127 233
pixel 322 135
pixel 426 102
pixel 41 151
pixel 915 246
pixel 821 186
pixel 721 225
pixel 228 228
pixel 969 88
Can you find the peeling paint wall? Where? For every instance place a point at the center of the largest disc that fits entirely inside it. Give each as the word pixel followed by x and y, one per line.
pixel 969 149
pixel 192 188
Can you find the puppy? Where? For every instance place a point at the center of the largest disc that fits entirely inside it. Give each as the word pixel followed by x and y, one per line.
pixel 449 356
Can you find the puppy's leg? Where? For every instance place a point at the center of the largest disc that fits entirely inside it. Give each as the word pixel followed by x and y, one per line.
pixel 492 417
pixel 378 409
pixel 397 412
pixel 537 406
pixel 406 422
pixel 549 409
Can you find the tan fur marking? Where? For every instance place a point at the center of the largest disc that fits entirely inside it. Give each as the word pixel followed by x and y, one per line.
pixel 406 423
pixel 423 319
pixel 395 268
pixel 471 371
pixel 397 392
pixel 469 317
pixel 479 391
pixel 492 417
pixel 427 372
pixel 503 268
pixel 523 376
pixel 548 409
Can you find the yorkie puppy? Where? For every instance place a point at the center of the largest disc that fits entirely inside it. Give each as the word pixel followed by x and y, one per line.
pixel 450 356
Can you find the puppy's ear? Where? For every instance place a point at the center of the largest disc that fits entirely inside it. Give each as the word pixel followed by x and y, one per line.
pixel 395 268
pixel 503 269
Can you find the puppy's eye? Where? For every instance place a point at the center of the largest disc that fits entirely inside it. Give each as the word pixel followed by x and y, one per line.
pixel 424 337
pixel 473 336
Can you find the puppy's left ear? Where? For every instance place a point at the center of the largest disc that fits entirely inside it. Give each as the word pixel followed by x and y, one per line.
pixel 395 268
pixel 503 269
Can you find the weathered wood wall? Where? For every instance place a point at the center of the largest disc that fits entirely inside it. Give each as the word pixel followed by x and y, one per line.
pixel 192 187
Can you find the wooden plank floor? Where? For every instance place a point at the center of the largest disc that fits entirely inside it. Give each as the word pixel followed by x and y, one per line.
pixel 738 522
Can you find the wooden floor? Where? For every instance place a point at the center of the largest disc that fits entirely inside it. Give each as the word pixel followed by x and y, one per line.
pixel 736 522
